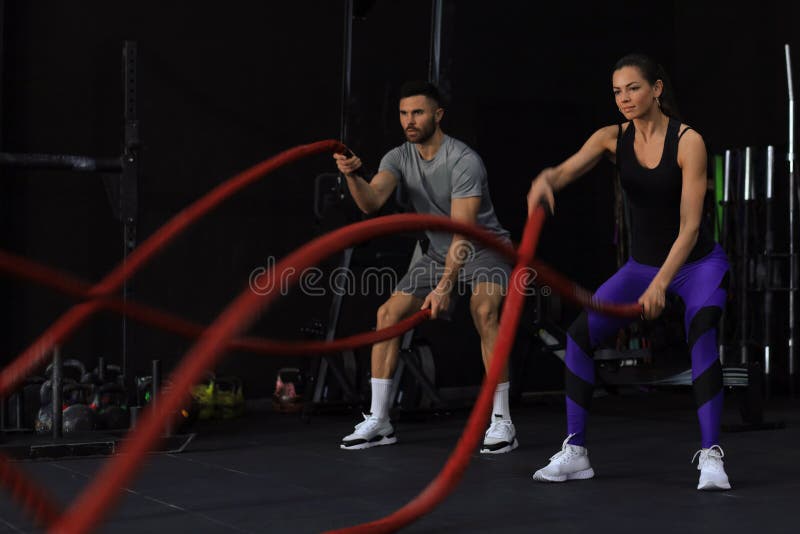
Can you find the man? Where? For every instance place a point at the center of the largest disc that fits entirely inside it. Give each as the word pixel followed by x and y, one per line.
pixel 443 176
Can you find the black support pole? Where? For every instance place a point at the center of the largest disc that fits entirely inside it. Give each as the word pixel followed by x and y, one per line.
pixel 2 63
pixel 347 67
pixel 101 369
pixel 434 68
pixel 790 156
pixel 726 242
pixel 155 384
pixel 57 380
pixel 129 191
pixel 769 249
pixel 155 393
pixel 744 250
pixel 60 161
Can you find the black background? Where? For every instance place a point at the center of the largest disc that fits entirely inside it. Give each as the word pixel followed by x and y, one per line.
pixel 222 88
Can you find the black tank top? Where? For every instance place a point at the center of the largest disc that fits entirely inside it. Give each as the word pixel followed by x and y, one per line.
pixel 654 199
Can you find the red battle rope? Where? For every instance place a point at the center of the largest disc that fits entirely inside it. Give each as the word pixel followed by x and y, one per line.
pixel 97 499
pixel 40 274
pixel 33 356
pixel 104 489
pixel 29 270
pixel 449 477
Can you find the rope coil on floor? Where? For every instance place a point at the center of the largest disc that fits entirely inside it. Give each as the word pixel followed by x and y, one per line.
pixel 96 500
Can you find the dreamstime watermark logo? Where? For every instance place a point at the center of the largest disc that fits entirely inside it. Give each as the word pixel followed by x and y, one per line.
pixel 342 281
pixel 315 282
pixel 463 251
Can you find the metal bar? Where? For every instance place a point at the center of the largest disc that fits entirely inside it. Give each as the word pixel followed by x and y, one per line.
pixel 348 393
pixel 770 170
pixel 396 378
pixel 18 408
pixel 129 189
pixel 745 259
pixel 347 61
pixel 60 161
pixel 326 363
pixel 436 42
pixel 155 383
pixel 727 195
pixel 57 380
pixel 790 156
pixel 333 314
pixel 769 246
pixel 330 334
pixel 724 241
pixel 338 298
pixel 2 63
pixel 790 87
pixel 155 393
pixel 748 172
pixel 322 375
pixel 424 383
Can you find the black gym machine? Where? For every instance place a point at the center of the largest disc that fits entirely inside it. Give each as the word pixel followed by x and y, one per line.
pixel 120 176
pixel 763 271
pixel 415 378
pixel 70 409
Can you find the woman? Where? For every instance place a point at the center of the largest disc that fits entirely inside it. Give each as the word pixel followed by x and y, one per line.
pixel 662 166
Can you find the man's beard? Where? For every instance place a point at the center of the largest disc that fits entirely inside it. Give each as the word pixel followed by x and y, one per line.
pixel 424 133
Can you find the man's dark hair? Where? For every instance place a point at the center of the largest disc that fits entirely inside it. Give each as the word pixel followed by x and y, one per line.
pixel 421 87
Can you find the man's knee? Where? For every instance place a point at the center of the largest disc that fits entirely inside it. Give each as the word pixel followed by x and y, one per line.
pixel 387 316
pixel 393 311
pixel 484 313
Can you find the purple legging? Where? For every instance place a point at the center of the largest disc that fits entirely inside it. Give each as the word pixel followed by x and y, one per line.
pixel 699 285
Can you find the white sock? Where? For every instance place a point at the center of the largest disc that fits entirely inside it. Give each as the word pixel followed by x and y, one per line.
pixel 381 387
pixel 501 401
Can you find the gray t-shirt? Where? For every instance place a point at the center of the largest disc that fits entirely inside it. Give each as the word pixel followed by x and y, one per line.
pixel 456 171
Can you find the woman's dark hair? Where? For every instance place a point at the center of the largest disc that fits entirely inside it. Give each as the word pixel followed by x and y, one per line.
pixel 652 71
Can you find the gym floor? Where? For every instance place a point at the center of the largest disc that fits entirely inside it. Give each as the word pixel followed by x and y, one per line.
pixel 271 472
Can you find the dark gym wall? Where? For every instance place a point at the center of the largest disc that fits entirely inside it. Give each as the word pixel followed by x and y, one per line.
pixel 731 64
pixel 543 86
pixel 221 89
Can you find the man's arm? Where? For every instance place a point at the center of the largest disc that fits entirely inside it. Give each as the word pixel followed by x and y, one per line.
pixel 462 210
pixel 368 196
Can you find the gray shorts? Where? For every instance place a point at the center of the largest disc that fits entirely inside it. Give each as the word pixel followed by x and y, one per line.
pixel 484 265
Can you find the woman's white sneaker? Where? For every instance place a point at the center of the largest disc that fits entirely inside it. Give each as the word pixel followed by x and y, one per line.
pixel 570 463
pixel 712 470
pixel 370 432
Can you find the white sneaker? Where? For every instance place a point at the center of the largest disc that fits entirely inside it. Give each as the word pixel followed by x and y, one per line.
pixel 712 472
pixel 370 432
pixel 570 463
pixel 500 437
